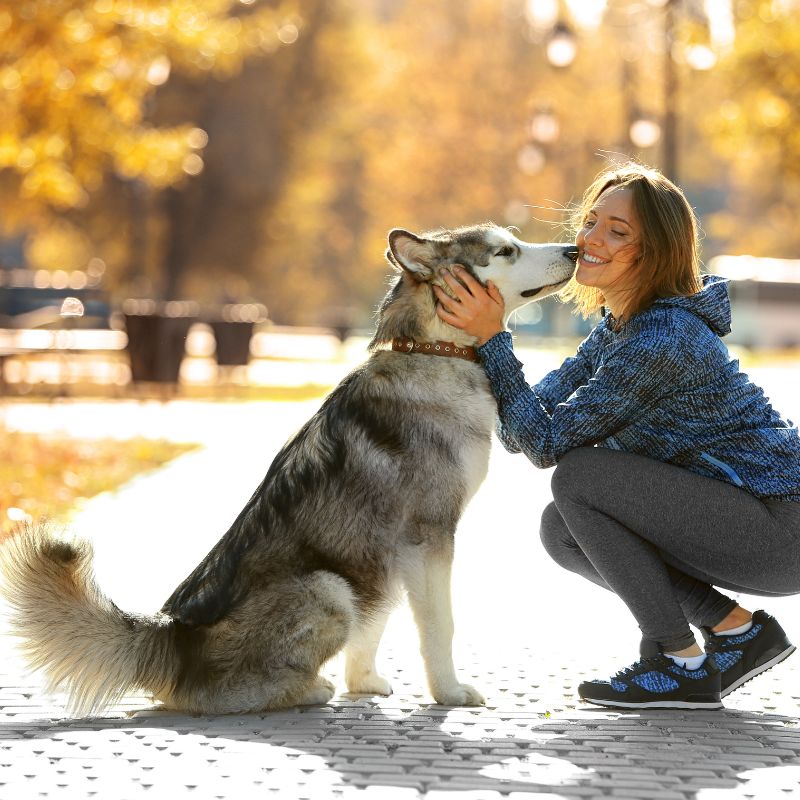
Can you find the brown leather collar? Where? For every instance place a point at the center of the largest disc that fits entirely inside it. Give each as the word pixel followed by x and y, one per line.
pixel 404 344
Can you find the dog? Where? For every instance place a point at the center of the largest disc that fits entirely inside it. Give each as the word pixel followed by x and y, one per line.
pixel 359 505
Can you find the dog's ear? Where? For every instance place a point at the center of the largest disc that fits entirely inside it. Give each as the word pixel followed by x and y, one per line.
pixel 416 256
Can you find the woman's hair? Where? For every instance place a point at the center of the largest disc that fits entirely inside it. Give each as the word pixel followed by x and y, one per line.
pixel 668 261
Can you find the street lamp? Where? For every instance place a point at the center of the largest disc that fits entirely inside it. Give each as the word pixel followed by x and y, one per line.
pixel 561 46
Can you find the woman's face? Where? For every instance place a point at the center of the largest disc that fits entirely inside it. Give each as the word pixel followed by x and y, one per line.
pixel 608 243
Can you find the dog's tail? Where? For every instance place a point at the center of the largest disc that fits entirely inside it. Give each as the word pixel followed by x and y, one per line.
pixel 71 631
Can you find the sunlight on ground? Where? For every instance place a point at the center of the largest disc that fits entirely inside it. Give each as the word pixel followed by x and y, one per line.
pixel 538 768
pixel 764 783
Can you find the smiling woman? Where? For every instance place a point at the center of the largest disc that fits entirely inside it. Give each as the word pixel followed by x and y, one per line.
pixel 674 474
pixel 608 244
pixel 638 242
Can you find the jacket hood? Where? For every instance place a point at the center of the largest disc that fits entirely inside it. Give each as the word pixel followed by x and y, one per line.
pixel 711 304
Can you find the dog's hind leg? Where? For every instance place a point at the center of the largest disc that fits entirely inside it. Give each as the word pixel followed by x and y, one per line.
pixel 428 586
pixel 319 693
pixel 268 652
pixel 360 673
pixel 254 693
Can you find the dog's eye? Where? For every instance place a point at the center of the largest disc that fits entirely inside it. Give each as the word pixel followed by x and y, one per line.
pixel 505 252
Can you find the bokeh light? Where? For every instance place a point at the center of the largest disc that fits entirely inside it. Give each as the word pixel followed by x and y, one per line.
pixel 645 132
pixel 159 71
pixel 531 159
pixel 288 33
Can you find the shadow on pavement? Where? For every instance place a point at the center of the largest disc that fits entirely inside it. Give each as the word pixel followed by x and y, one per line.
pixel 357 743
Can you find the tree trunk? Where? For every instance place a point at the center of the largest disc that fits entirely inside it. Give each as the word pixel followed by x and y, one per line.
pixel 175 246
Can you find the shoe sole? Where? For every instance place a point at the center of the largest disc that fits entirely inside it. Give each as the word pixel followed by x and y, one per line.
pixel 784 654
pixel 657 704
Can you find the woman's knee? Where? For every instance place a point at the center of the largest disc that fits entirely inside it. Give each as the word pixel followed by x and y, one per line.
pixel 555 536
pixel 576 470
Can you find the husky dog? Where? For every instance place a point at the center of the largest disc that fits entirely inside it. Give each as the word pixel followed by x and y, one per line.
pixel 360 504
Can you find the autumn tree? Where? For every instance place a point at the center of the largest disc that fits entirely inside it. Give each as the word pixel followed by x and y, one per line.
pixel 203 236
pixel 754 124
pixel 75 80
pixel 213 226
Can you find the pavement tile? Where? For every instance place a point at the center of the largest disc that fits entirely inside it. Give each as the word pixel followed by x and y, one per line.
pixel 647 794
pixel 537 796
pixel 747 762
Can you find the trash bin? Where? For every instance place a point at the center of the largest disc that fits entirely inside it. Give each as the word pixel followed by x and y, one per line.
pixel 233 331
pixel 157 338
pixel 233 342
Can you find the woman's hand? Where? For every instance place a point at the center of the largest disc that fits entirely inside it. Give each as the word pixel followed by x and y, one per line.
pixel 475 310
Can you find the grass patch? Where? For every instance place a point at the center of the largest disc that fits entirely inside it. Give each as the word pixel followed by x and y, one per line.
pixel 51 477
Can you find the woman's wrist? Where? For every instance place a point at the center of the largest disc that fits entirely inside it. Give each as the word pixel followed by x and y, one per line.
pixel 485 336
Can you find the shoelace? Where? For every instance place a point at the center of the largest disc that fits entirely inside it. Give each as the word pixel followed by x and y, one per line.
pixel 654 661
pixel 715 644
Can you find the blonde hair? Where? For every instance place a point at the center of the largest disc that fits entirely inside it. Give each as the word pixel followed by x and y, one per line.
pixel 668 261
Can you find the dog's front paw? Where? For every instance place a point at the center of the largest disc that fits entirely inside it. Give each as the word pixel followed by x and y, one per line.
pixel 462 694
pixel 318 693
pixel 371 683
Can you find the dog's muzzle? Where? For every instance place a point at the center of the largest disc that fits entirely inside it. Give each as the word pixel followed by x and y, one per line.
pixel 570 252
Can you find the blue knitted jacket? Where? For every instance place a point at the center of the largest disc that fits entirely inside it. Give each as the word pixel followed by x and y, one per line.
pixel 663 386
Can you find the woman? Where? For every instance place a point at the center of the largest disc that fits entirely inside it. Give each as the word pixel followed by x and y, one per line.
pixel 674 474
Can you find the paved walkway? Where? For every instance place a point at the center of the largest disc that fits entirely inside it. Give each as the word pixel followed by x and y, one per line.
pixel 523 629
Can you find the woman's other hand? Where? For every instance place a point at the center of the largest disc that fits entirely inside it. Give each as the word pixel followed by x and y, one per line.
pixel 475 310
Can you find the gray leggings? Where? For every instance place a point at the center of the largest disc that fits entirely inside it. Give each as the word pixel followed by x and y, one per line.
pixel 661 537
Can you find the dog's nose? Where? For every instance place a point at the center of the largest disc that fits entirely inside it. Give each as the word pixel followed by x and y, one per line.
pixel 571 253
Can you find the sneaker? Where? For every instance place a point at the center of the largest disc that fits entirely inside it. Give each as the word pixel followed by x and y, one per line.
pixel 657 682
pixel 742 657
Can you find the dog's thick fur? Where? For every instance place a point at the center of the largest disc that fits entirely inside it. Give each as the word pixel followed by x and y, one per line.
pixel 361 503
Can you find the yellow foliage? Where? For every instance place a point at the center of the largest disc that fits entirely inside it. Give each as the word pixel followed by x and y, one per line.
pixel 59 246
pixel 51 477
pixel 754 126
pixel 76 76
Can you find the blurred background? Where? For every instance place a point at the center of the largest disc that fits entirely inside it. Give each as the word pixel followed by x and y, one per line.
pixel 195 197
pixel 190 187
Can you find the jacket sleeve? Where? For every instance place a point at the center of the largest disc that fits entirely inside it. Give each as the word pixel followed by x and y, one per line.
pixel 576 370
pixel 556 386
pixel 505 438
pixel 636 373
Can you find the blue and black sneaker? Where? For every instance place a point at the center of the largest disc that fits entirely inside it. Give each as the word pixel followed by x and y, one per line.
pixel 742 657
pixel 657 682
